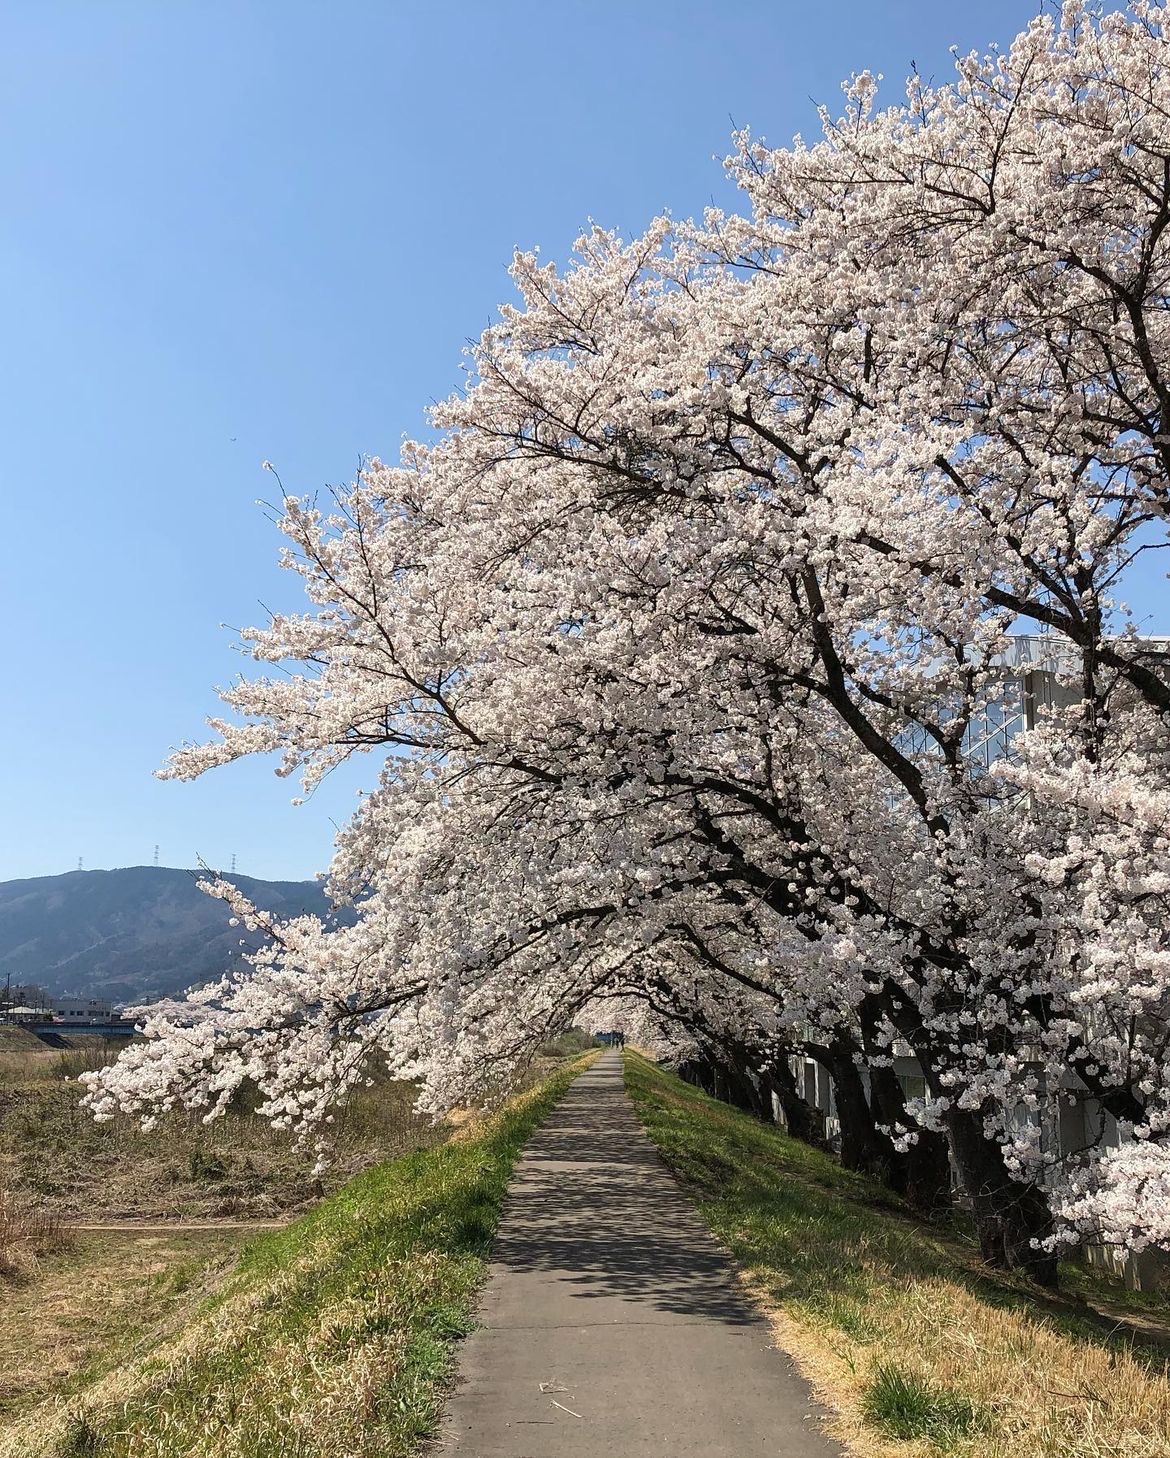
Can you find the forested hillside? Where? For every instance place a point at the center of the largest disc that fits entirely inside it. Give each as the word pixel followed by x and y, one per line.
pixel 130 934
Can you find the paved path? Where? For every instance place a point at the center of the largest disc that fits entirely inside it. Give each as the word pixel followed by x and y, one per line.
pixel 611 1322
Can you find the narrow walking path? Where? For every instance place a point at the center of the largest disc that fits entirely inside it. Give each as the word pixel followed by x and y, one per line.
pixel 178 1225
pixel 612 1323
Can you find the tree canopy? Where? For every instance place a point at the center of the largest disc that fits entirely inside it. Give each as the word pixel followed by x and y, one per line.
pixel 682 644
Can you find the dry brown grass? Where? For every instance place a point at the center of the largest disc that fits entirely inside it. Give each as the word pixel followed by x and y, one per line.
pixel 54 1157
pixel 1041 1393
pixel 101 1297
pixel 27 1236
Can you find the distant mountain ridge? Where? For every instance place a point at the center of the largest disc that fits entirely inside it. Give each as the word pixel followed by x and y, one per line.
pixel 131 935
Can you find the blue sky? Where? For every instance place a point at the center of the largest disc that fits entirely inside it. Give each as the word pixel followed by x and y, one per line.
pixel 238 231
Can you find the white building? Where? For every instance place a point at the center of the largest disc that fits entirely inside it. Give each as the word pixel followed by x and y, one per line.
pixel 71 1008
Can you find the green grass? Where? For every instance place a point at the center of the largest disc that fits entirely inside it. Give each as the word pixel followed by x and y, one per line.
pixel 333 1337
pixel 893 1319
pixel 903 1405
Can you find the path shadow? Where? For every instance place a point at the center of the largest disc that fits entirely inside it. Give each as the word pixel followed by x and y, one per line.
pixel 593 1206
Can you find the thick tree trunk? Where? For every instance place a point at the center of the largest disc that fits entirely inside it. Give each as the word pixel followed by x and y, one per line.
pixel 1009 1215
pixel 863 1146
pixel 804 1122
pixel 742 1092
pixel 922 1173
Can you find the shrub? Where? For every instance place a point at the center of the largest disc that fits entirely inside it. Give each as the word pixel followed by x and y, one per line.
pixel 26 1235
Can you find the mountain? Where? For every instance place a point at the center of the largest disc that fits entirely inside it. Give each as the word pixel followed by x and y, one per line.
pixel 130 935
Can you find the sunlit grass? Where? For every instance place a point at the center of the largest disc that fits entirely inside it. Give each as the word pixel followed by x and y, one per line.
pixel 332 1338
pixel 915 1348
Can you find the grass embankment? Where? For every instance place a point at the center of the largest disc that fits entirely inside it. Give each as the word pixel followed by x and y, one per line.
pixel 332 1337
pixel 912 1345
pixel 104 1292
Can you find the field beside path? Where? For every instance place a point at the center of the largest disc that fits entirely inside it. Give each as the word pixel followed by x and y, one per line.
pixel 57 1163
pixel 913 1345
pixel 329 1336
pixel 105 1291
pixel 55 1160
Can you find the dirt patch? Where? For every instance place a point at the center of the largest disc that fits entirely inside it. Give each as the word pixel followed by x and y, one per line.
pixel 174 1227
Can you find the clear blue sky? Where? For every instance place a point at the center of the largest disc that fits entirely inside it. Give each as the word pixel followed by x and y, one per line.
pixel 233 231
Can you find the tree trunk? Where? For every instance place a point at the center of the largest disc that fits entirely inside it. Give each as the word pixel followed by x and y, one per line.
pixel 698 1075
pixel 804 1122
pixel 1008 1215
pixel 863 1146
pixel 741 1092
pixel 922 1174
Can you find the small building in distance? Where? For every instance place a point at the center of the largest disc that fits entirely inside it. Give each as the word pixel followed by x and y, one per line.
pixel 23 1003
pixel 30 1007
pixel 75 1008
pixel 22 1016
pixel 28 994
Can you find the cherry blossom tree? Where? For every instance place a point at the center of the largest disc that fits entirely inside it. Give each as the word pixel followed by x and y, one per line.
pixel 676 642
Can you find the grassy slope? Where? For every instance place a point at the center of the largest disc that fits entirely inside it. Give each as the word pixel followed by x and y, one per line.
pixel 332 1337
pixel 89 1299
pixel 915 1348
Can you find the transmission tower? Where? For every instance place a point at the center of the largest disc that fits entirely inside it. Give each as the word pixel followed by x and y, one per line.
pixel 233 863
pixel 79 863
pixel 156 855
